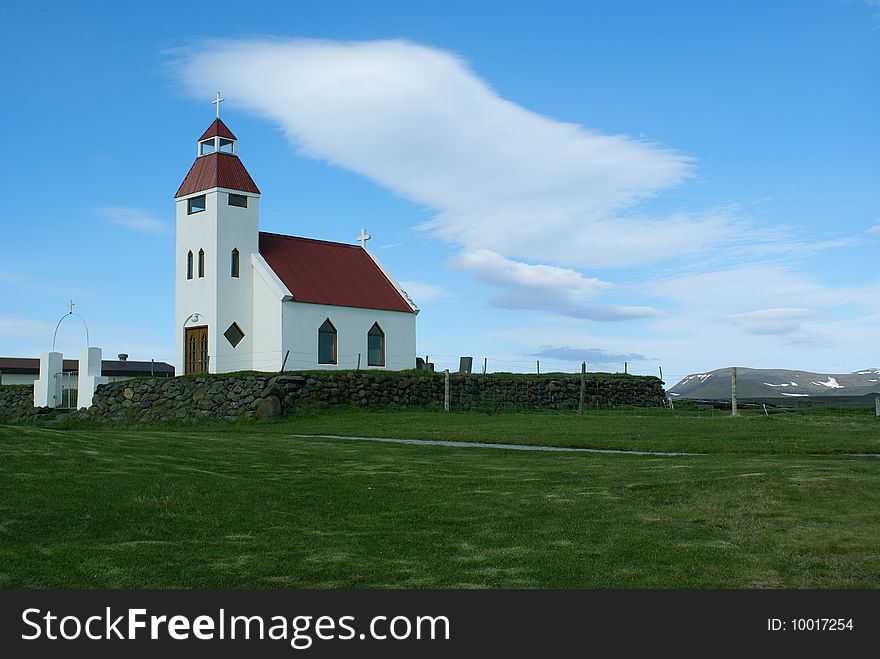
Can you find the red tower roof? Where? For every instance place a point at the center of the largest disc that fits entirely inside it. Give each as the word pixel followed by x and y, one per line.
pixel 217 129
pixel 322 272
pixel 217 170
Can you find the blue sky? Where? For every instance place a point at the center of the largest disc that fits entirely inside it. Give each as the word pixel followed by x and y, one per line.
pixel 685 185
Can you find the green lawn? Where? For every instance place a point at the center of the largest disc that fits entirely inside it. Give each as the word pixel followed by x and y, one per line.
pixel 245 505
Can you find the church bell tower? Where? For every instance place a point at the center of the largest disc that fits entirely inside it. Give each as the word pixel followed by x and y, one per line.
pixel 217 208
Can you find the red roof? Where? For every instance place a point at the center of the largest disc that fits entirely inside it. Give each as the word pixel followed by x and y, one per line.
pixel 217 170
pixel 322 272
pixel 218 128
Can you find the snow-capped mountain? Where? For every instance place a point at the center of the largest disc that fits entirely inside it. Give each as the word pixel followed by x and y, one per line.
pixel 776 383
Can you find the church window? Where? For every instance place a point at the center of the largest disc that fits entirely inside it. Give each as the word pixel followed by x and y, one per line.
pixel 195 204
pixel 239 200
pixel 207 147
pixel 201 263
pixel 234 335
pixel 327 343
pixel 376 346
pixel 226 146
pixel 189 265
pixel 235 262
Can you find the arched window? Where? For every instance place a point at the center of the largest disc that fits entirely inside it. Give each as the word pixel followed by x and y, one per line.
pixel 201 263
pixel 376 346
pixel 327 343
pixel 235 262
pixel 189 265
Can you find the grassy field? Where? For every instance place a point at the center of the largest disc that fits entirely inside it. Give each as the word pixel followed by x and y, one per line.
pixel 774 502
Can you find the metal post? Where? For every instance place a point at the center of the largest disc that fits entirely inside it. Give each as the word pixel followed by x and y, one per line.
pixel 625 368
pixel 446 390
pixel 284 361
pixel 538 362
pixel 485 363
pixel 877 405
pixel 359 361
pixel 733 392
pixel 583 388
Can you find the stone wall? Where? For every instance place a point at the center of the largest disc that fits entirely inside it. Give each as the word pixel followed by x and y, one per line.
pixel 247 395
pixel 557 392
pixel 16 402
pixel 193 398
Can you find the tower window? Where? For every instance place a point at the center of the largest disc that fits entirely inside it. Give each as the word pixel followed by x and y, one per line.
pixel 327 343
pixel 189 265
pixel 235 262
pixel 201 263
pixel 195 204
pixel 376 346
pixel 226 146
pixel 239 200
pixel 207 147
pixel 234 335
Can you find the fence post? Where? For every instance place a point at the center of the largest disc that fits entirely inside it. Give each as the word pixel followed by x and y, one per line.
pixel 359 361
pixel 733 392
pixel 877 406
pixel 485 363
pixel 446 390
pixel 583 388
pixel 538 363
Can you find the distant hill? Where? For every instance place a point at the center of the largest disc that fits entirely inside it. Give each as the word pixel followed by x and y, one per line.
pixel 776 383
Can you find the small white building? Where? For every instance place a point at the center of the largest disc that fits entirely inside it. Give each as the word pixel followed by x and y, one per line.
pixel 25 370
pixel 250 300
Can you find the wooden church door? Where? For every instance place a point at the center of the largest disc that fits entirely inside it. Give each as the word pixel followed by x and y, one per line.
pixel 196 349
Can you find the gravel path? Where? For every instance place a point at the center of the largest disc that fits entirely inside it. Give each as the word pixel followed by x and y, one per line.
pixel 515 447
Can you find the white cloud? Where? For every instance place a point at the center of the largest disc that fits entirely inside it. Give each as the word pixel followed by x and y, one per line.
pixel 543 287
pixel 754 287
pixel 873 229
pixel 506 185
pixel 422 292
pixel 493 268
pixel 589 355
pixel 418 121
pixel 773 321
pixel 134 219
pixel 21 328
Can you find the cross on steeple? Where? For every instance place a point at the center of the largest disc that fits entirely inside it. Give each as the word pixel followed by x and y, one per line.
pixel 363 238
pixel 70 307
pixel 217 102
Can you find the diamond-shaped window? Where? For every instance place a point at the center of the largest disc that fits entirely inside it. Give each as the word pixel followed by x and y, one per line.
pixel 234 335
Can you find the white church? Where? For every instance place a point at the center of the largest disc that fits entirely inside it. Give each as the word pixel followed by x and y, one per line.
pixel 251 300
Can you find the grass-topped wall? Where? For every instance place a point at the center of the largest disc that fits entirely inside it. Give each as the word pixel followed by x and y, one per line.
pixel 262 395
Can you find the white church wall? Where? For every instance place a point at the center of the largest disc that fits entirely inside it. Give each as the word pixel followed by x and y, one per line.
pixel 300 323
pixel 218 298
pixel 199 294
pixel 237 228
pixel 268 294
